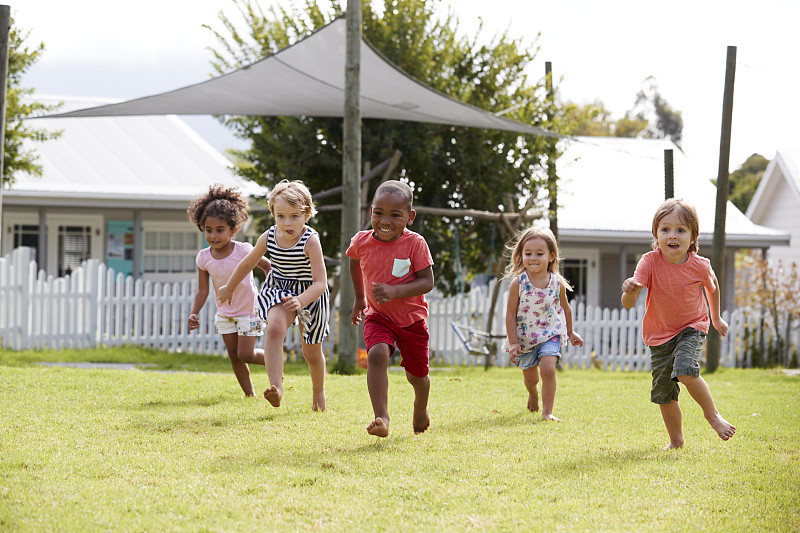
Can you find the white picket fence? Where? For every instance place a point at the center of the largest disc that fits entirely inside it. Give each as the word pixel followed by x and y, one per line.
pixel 94 307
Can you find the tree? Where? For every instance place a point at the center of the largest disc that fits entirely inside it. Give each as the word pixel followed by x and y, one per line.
pixel 20 105
pixel 744 181
pixel 447 166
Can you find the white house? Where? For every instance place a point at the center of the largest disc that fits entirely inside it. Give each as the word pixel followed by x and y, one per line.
pixel 609 191
pixel 776 203
pixel 115 189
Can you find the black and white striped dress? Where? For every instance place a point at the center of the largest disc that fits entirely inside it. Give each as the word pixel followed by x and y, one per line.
pixel 290 276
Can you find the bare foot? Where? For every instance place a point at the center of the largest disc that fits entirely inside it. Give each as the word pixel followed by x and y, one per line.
pixel 533 402
pixel 673 446
pixel 318 402
pixel 722 427
pixel 378 427
pixel 551 418
pixel 273 396
pixel 421 421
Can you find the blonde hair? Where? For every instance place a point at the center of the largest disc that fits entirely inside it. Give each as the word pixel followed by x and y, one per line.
pixel 688 215
pixel 515 266
pixel 296 194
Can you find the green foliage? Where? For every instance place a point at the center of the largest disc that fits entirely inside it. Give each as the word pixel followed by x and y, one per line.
pixel 447 166
pixel 744 181
pixel 151 451
pixel 20 105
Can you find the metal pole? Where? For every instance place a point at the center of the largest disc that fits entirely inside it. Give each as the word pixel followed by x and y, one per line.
pixel 351 185
pixel 5 25
pixel 718 245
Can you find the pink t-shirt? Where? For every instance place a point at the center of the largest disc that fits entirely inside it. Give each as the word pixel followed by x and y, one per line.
pixel 393 263
pixel 244 297
pixel 675 300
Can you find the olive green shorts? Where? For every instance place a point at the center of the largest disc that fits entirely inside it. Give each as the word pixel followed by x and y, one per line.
pixel 679 356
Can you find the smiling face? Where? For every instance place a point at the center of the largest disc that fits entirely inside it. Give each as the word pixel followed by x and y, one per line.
pixel 674 237
pixel 289 219
pixel 390 215
pixel 536 257
pixel 218 233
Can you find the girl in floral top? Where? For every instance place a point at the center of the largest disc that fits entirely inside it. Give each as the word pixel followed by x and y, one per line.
pixel 538 316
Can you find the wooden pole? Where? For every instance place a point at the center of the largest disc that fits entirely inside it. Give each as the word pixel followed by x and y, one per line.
pixel 5 25
pixel 552 178
pixel 669 175
pixel 351 185
pixel 718 245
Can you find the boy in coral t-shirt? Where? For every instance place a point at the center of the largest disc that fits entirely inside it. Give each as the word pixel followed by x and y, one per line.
pixel 676 317
pixel 391 268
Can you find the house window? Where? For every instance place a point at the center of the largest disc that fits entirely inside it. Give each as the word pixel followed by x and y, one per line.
pixel 576 272
pixel 170 252
pixel 74 247
pixel 27 235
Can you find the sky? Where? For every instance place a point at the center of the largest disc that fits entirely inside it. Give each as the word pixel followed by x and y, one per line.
pixel 600 51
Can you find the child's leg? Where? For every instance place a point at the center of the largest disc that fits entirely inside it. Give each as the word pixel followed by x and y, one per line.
pixel 247 351
pixel 673 419
pixel 240 369
pixel 313 355
pixel 378 386
pixel 279 320
pixel 547 365
pixel 422 389
pixel 530 376
pixel 699 390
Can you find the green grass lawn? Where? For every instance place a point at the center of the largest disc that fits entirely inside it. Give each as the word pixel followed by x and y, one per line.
pixel 147 450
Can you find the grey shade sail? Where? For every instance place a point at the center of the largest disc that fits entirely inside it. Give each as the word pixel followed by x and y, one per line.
pixel 308 79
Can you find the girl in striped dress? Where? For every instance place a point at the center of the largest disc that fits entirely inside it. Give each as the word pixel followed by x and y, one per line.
pixel 296 286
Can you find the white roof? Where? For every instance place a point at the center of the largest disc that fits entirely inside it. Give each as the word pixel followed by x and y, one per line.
pixel 610 188
pixel 150 161
pixel 787 164
pixel 308 79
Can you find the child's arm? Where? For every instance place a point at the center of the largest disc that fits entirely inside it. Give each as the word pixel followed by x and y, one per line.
pixel 360 302
pixel 630 292
pixel 200 298
pixel 318 276
pixel 245 267
pixel 421 285
pixel 511 321
pixel 574 338
pixel 713 305
pixel 264 265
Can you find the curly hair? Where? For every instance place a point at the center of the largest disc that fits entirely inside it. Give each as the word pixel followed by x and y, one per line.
pixel 226 203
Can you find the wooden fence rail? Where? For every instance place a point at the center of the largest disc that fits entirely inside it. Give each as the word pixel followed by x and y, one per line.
pixel 94 306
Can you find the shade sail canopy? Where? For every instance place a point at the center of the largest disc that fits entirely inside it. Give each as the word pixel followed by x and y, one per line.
pixel 308 79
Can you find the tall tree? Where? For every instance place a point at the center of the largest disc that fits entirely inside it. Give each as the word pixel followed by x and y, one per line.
pixel 744 180
pixel 20 104
pixel 447 166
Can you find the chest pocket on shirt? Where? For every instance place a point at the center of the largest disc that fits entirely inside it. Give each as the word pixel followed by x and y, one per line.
pixel 692 292
pixel 401 267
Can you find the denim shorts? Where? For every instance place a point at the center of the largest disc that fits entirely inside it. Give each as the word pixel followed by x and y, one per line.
pixel 244 326
pixel 679 356
pixel 549 347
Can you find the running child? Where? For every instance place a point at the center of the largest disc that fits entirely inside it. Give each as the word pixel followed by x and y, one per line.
pixel 219 214
pixel 296 287
pixel 677 315
pixel 392 269
pixel 538 315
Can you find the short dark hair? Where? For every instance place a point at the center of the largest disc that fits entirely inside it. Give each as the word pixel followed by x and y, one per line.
pixel 398 188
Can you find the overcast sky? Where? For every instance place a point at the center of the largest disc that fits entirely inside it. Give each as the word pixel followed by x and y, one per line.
pixel 600 50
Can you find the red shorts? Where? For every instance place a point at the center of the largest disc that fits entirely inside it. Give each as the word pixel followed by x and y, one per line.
pixel 412 341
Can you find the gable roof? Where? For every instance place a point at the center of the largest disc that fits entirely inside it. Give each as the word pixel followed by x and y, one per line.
pixel 148 161
pixel 786 165
pixel 308 78
pixel 610 187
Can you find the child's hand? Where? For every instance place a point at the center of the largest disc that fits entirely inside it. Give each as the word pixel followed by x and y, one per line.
pixel 575 339
pixel 224 294
pixel 721 326
pixel 514 352
pixel 291 303
pixel 630 285
pixel 382 292
pixel 358 311
pixel 194 321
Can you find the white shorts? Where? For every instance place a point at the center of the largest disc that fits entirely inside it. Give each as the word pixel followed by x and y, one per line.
pixel 244 326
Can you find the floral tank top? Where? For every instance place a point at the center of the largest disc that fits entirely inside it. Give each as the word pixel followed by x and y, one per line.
pixel 540 316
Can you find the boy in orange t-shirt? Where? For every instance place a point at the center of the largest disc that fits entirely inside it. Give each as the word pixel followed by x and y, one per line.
pixel 391 268
pixel 676 317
